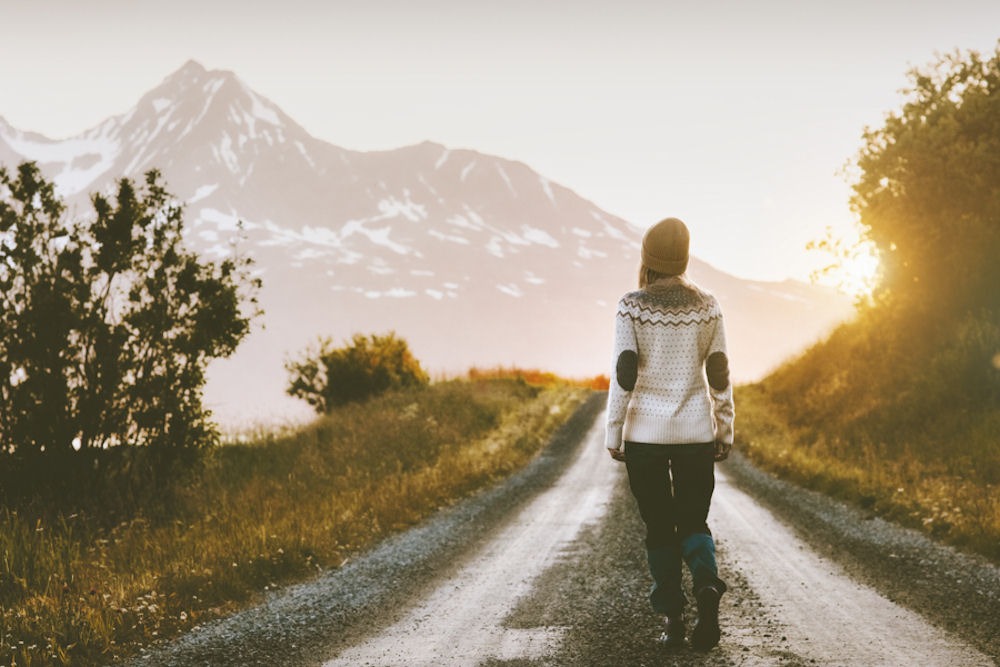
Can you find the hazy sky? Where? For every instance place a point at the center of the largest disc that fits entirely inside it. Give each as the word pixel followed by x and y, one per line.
pixel 737 116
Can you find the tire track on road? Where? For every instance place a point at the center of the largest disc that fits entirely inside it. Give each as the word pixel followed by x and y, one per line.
pixel 828 617
pixel 461 623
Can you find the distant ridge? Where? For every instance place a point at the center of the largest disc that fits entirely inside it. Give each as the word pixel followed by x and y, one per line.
pixel 473 258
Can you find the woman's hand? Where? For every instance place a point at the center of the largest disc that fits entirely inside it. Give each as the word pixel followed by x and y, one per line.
pixel 722 450
pixel 616 454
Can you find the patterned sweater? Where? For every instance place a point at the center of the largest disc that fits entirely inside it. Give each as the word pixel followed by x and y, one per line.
pixel 671 381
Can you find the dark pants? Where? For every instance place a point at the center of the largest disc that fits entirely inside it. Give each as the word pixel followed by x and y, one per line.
pixel 673 486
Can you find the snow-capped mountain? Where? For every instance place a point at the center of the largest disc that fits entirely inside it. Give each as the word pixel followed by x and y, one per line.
pixel 474 259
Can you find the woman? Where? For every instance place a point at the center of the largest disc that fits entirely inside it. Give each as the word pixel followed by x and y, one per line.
pixel 671 409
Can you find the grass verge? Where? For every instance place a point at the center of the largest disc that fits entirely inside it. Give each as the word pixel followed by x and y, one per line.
pixel 951 498
pixel 77 587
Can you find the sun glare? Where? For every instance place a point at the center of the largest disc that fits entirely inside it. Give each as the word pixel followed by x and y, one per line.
pixel 853 263
pixel 857 275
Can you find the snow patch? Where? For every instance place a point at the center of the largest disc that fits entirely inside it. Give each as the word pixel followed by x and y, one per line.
pixel 584 252
pixel 219 251
pixel 532 279
pixel 511 289
pixel 466 169
pixel 506 179
pixel 377 236
pixel 474 216
pixel 261 111
pixel 324 238
pixel 547 187
pixel 434 294
pixel 494 247
pixel 430 188
pixel 320 236
pixel 225 222
pixel 202 192
pixel 224 152
pixel 539 236
pixel 305 154
pixel 380 269
pixel 611 230
pixel 392 208
pixel 394 293
pixel 441 160
pixel 84 158
pixel 310 253
pixel 461 240
pixel 211 87
pixel 461 221
pixel 161 103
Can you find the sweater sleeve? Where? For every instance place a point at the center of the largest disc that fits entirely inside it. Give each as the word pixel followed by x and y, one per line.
pixel 720 388
pixel 625 372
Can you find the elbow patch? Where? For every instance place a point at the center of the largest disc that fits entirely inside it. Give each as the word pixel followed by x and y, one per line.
pixel 627 369
pixel 717 369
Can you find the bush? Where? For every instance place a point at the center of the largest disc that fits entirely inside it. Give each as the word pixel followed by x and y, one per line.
pixel 928 191
pixel 108 321
pixel 370 365
pixel 902 404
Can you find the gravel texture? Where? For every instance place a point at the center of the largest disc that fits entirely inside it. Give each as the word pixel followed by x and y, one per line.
pixel 308 623
pixel 601 591
pixel 597 593
pixel 956 591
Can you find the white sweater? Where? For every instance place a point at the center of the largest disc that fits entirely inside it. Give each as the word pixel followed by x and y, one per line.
pixel 670 383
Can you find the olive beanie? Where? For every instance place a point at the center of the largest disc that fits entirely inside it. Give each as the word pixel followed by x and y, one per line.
pixel 665 247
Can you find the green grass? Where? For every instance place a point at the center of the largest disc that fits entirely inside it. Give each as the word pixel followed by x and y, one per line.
pixel 85 582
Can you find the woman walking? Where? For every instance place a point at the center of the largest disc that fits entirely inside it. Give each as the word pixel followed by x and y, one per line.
pixel 670 418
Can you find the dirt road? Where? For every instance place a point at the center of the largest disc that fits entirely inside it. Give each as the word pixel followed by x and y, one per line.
pixel 549 570
pixel 461 622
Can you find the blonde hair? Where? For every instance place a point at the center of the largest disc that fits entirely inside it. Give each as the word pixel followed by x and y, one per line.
pixel 648 276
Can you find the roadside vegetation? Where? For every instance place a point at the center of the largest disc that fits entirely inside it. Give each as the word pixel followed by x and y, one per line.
pixel 124 519
pixel 86 581
pixel 108 320
pixel 899 410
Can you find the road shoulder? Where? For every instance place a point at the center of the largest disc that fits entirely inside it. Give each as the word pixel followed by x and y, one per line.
pixel 952 590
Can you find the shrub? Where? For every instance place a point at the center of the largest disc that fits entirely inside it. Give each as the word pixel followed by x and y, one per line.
pixel 370 365
pixel 108 321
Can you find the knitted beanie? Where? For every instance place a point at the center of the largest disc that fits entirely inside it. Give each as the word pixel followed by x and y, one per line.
pixel 665 247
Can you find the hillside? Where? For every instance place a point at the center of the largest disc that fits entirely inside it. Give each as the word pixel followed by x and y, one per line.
pixel 899 410
pixel 474 259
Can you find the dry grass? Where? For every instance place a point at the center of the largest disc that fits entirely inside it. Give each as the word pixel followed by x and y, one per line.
pixel 898 411
pixel 950 498
pixel 537 377
pixel 77 587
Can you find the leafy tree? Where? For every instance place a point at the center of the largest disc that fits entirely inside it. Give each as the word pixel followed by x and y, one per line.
pixel 929 187
pixel 370 365
pixel 108 322
pixel 916 376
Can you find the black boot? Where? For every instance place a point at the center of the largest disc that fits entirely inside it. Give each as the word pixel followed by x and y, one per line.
pixel 674 634
pixel 706 631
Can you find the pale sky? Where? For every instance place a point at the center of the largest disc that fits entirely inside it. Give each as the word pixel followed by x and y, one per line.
pixel 736 116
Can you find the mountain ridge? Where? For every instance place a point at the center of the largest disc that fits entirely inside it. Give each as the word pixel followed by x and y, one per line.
pixel 475 259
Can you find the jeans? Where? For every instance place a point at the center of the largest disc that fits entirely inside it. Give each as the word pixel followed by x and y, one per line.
pixel 673 485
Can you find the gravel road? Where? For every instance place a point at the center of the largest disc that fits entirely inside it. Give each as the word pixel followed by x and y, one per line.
pixel 548 569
